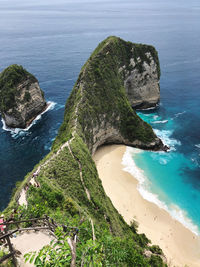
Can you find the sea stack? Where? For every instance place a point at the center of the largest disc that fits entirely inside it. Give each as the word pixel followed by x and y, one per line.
pixel 21 98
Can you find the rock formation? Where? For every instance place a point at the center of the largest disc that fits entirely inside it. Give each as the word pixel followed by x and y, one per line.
pixel 98 105
pixel 21 98
pixel 142 84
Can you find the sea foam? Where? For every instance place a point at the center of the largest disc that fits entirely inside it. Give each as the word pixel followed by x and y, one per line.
pixel 164 121
pixel 165 136
pixel 143 188
pixel 19 131
pixel 179 114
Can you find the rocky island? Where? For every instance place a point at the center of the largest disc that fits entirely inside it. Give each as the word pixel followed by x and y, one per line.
pixel 21 98
pixel 97 112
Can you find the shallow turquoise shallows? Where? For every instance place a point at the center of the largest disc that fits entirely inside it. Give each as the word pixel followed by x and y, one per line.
pixel 167 174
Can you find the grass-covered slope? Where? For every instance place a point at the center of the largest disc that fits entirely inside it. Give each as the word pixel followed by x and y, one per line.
pixel 70 189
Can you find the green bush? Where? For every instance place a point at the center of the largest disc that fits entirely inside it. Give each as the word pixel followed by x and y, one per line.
pixel 156 250
pixel 27 96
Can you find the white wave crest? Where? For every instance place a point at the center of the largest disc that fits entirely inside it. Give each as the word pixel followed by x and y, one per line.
pixel 155 117
pixel 198 145
pixel 143 188
pixel 59 106
pixel 17 131
pixel 164 135
pixel 164 121
pixel 179 114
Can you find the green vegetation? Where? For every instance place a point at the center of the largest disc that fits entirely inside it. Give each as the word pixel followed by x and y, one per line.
pixel 101 95
pixel 27 96
pixel 105 250
pixel 8 262
pixel 9 79
pixel 97 101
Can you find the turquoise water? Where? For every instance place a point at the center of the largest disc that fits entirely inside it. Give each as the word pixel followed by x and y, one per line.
pixel 167 174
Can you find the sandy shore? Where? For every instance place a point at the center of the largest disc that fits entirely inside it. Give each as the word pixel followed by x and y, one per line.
pixel 180 245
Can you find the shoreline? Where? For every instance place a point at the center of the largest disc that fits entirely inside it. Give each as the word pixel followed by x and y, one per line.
pixel 50 105
pixel 128 162
pixel 46 107
pixel 180 245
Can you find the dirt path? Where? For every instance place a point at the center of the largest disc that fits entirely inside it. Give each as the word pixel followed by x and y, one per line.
pixel 22 198
pixel 34 241
pixel 30 241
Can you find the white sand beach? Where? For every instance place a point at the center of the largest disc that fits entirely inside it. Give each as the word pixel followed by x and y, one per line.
pixel 180 245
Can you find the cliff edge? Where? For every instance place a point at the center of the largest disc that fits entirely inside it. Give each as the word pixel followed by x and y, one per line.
pixel 141 75
pixel 21 98
pixel 98 105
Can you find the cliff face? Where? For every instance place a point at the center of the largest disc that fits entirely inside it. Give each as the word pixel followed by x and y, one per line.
pixel 99 105
pixel 21 98
pixel 142 86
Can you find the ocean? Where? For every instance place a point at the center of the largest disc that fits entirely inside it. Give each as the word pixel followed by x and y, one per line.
pixel 53 39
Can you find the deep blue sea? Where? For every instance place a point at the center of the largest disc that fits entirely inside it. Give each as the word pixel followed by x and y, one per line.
pixel 52 39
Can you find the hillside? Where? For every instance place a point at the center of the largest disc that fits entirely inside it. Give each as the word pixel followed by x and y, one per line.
pixel 97 112
pixel 99 104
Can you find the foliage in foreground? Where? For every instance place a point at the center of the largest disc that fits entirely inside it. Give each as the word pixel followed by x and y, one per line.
pixel 105 250
pixel 8 262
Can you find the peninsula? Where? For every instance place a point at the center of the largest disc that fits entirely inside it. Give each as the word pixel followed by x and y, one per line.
pixel 21 98
pixel 99 111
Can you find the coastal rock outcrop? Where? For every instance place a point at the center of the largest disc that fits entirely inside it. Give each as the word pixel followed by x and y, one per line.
pixel 98 106
pixel 142 82
pixel 21 98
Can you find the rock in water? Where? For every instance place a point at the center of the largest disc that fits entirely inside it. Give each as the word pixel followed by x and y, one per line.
pixel 21 98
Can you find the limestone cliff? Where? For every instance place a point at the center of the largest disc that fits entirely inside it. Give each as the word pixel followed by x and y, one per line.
pixel 142 84
pixel 21 98
pixel 98 104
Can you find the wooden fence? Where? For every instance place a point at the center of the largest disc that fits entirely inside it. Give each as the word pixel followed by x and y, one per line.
pixel 45 223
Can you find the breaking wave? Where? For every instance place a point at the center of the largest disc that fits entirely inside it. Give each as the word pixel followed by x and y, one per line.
pixel 19 131
pixel 143 188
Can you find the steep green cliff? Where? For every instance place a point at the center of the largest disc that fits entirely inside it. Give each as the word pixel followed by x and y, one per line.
pixel 97 112
pixel 99 104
